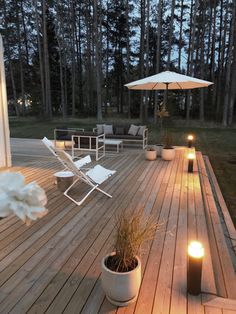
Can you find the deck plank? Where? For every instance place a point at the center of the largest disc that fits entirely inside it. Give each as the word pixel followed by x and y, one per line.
pixel 53 266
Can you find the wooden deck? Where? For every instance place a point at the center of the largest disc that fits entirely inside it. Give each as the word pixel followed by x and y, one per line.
pixel 53 266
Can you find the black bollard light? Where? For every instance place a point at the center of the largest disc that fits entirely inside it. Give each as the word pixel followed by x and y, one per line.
pixel 194 275
pixel 190 141
pixel 191 157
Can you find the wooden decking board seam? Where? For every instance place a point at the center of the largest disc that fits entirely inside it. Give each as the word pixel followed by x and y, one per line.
pixel 152 250
pixel 35 285
pixel 155 214
pixel 179 296
pixel 97 281
pixel 156 308
pixel 165 181
pixel 16 262
pixel 68 202
pixel 36 222
pixel 76 292
pixel 29 231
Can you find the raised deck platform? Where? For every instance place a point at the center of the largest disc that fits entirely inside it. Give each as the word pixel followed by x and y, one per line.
pixel 53 266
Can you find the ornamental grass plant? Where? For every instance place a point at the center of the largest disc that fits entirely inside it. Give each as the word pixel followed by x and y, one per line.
pixel 132 230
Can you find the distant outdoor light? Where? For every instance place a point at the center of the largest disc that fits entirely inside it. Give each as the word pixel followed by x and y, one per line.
pixel 190 140
pixel 194 276
pixel 191 158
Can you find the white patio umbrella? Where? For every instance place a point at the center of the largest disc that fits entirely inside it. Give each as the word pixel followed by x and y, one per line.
pixel 168 80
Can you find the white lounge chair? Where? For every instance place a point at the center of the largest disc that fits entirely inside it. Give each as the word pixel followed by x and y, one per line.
pixel 93 177
pixel 79 163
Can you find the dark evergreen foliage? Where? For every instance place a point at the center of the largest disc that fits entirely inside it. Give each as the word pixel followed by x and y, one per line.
pixel 124 34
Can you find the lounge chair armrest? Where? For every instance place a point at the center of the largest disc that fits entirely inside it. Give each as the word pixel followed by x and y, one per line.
pixel 95 129
pixel 145 132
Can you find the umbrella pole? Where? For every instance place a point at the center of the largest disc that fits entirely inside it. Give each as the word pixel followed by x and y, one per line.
pixel 166 94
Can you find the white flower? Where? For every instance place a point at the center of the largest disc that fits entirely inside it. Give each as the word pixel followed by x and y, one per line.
pixel 26 201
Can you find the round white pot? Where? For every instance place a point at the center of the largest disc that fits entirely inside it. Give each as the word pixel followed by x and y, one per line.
pixel 150 154
pixel 159 149
pixel 168 153
pixel 121 289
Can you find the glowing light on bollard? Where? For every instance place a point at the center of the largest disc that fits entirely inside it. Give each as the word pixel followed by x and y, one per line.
pixel 194 276
pixel 191 158
pixel 190 140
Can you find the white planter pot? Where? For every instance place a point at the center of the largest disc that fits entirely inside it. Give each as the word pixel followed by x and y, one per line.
pixel 121 289
pixel 159 149
pixel 168 153
pixel 150 154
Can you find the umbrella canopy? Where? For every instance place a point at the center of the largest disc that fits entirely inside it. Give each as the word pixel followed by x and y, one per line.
pixel 168 80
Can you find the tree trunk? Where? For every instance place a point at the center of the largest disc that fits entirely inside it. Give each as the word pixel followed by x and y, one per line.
pixel 191 50
pixel 60 46
pixel 22 82
pixel 202 63
pixel 73 57
pixel 40 59
pixel 170 34
pixel 97 38
pixel 25 33
pixel 147 93
pixel 89 77
pixel 10 64
pixel 228 71
pixel 180 34
pixel 232 96
pixel 141 54
pixel 46 65
pixel 158 53
pixel 128 56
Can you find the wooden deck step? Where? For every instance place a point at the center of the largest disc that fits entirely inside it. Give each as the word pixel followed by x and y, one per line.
pixel 227 223
pixel 222 263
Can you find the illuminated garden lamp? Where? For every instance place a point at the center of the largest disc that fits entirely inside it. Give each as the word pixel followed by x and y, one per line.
pixel 191 157
pixel 194 276
pixel 190 141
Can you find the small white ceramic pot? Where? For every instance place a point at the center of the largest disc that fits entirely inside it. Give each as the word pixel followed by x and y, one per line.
pixel 150 154
pixel 168 153
pixel 121 289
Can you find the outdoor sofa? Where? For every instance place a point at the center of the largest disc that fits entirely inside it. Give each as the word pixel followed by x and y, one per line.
pixel 128 133
pixel 83 140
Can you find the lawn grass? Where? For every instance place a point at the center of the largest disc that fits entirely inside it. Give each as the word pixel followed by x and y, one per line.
pixel 217 143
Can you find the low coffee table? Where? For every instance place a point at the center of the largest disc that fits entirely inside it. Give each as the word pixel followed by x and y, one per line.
pixel 117 143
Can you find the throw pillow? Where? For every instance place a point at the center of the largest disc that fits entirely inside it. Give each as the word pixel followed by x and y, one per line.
pixel 120 131
pixel 141 129
pixel 108 129
pixel 100 128
pixel 133 130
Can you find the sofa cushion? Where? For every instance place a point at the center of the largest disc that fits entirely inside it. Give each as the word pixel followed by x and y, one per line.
pixel 100 128
pixel 62 133
pixel 133 130
pixel 119 130
pixel 124 137
pixel 108 129
pixel 141 129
